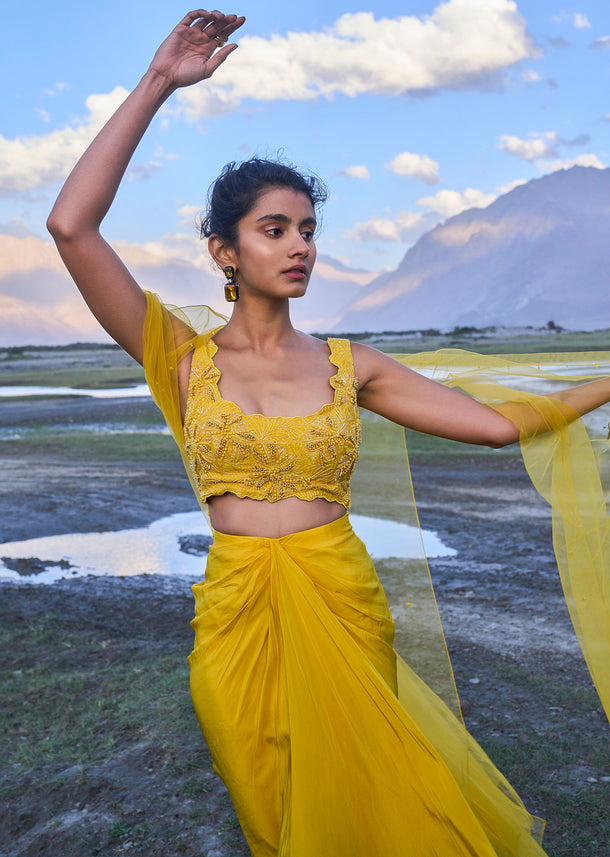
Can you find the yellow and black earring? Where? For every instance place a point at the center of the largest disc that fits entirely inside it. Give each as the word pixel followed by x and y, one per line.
pixel 231 287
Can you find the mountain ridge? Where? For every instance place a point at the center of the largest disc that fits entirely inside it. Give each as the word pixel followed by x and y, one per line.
pixel 539 252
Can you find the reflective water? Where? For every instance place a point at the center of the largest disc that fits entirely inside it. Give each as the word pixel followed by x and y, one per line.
pixel 156 549
pixel 138 391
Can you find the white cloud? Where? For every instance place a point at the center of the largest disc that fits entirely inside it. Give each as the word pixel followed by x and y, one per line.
pixel 529 75
pixel 506 188
pixel 17 227
pixel 602 44
pixel 43 115
pixel 448 203
pixel 407 226
pixel 415 166
pixel 581 22
pixel 142 172
pixel 542 149
pixel 535 146
pixel 31 162
pixel 461 44
pixel 584 160
pixel 189 215
pixel 356 172
pixel 404 227
pixel 58 87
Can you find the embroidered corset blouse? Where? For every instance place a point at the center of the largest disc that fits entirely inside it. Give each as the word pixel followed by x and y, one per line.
pixel 271 458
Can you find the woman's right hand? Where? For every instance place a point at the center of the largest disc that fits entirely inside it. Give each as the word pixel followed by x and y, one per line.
pixel 195 48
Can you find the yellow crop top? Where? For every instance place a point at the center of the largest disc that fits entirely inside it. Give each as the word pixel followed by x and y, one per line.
pixel 271 458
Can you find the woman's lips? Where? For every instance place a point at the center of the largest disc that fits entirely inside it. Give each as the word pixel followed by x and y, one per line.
pixel 296 273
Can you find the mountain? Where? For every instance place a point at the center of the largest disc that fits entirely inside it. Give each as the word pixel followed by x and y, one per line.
pixel 538 253
pixel 39 304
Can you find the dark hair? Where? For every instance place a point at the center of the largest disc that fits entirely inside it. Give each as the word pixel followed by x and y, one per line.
pixel 237 188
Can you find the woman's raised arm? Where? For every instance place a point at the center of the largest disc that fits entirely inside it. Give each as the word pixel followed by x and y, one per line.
pixel 191 53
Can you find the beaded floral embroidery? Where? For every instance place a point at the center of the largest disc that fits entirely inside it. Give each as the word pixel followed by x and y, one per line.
pixel 270 458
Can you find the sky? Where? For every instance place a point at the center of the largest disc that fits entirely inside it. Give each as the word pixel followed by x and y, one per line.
pixel 410 112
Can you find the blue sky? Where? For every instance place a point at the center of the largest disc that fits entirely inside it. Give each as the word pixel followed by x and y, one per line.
pixel 410 112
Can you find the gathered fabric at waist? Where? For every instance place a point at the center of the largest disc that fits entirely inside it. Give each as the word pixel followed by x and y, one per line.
pixel 329 565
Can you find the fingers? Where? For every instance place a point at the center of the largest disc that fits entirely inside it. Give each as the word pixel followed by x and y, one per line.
pixel 213 21
pixel 230 28
pixel 220 28
pixel 220 56
pixel 191 17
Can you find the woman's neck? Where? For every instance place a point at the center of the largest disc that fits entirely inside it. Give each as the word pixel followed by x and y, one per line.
pixel 262 324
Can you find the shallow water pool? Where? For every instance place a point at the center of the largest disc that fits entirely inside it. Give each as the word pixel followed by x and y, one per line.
pixel 156 549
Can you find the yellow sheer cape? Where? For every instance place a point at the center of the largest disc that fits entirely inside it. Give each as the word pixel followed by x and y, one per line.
pixel 567 463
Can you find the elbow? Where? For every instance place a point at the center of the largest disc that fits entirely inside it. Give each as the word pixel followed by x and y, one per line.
pixel 503 435
pixel 66 226
pixel 58 227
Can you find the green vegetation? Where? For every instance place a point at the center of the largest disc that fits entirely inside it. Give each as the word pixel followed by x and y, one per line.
pixel 81 712
pixel 97 377
pixel 485 341
pixel 85 446
pixel 556 765
pixel 88 367
pixel 102 715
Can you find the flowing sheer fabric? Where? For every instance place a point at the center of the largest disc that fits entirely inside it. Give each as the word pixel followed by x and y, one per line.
pixel 568 464
pixel 487 816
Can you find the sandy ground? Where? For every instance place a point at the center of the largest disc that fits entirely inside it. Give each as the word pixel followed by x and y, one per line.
pixel 500 600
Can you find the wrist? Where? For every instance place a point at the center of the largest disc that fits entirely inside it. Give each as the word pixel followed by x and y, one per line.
pixel 157 85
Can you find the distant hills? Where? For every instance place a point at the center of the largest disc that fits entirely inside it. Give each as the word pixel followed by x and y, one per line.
pixel 539 253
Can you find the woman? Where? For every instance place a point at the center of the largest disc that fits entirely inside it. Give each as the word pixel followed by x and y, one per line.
pixel 327 742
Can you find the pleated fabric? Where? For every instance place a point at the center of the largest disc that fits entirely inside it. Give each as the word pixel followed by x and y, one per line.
pixel 328 743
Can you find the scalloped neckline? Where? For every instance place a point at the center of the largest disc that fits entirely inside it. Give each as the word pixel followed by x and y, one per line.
pixel 212 349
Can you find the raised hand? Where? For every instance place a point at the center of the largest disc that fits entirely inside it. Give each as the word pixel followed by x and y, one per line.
pixel 196 47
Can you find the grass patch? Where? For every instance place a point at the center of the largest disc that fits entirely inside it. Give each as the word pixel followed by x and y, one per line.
pixel 85 446
pixel 555 691
pixel 482 343
pixel 63 710
pixel 81 377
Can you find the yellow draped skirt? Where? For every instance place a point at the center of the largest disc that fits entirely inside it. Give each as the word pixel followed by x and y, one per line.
pixel 329 744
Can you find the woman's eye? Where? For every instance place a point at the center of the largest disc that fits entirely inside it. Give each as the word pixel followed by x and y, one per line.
pixel 307 235
pixel 275 231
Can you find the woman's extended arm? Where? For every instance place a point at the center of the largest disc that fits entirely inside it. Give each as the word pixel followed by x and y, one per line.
pixel 190 53
pixel 412 400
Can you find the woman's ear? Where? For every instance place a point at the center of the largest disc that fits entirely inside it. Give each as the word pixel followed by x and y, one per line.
pixel 221 252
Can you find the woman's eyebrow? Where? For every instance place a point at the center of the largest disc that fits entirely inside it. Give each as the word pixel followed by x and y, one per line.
pixel 283 218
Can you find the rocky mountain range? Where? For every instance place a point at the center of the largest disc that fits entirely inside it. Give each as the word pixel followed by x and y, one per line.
pixel 538 253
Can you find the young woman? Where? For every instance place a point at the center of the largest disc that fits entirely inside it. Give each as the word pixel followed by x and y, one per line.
pixel 328 743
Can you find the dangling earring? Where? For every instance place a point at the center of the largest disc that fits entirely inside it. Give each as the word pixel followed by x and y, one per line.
pixel 231 287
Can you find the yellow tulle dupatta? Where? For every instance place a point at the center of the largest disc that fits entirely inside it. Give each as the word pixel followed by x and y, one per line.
pixel 567 459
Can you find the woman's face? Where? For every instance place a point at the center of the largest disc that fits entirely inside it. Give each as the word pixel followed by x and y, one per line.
pixel 276 252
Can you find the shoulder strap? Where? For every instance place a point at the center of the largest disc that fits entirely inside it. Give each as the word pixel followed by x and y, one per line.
pixel 341 355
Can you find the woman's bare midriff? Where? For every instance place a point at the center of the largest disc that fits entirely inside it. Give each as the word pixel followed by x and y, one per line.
pixel 245 517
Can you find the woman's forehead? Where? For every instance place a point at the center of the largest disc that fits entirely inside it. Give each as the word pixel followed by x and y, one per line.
pixel 285 201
